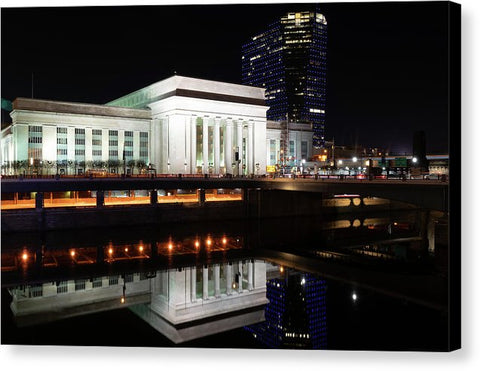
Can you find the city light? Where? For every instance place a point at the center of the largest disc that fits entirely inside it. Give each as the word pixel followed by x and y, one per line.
pixel 110 251
pixel 224 240
pixel 24 256
pixel 126 249
pixel 197 244
pixel 122 300
pixel 140 248
pixel 354 159
pixel 209 242
pixel 354 297
pixel 72 253
pixel 281 269
pixel 340 162
pixel 170 246
pixel 414 160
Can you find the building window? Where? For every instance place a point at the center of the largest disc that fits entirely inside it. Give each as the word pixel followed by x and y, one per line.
pixel 96 142
pixel 79 285
pixel 61 130
pixel 96 152
pixel 113 280
pixel 97 132
pixel 129 134
pixel 62 287
pixel 61 140
pixel 97 282
pixel 304 149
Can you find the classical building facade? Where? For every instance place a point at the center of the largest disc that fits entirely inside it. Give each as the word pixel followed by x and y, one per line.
pixel 179 125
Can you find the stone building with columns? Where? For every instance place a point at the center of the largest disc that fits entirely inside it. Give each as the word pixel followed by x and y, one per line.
pixel 179 125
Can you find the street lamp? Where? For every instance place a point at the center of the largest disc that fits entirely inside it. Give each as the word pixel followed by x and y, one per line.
pixel 354 159
pixel 414 160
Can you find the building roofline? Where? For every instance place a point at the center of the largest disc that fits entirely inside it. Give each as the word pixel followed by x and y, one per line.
pixel 29 104
pixel 197 88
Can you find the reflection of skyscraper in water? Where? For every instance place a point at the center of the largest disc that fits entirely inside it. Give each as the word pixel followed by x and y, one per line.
pixel 295 316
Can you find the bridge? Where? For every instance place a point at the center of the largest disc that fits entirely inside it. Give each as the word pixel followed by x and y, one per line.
pixel 429 194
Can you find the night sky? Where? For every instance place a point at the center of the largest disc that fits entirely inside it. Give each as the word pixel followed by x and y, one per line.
pixel 387 62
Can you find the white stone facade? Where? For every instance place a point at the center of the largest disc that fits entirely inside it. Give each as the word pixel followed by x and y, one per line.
pixel 179 125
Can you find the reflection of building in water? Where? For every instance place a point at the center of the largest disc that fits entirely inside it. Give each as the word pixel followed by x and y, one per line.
pixel 183 304
pixel 295 316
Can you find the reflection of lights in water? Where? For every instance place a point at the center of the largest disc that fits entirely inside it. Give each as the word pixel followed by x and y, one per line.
pixel 354 297
pixel 395 223
pixel 170 246
pixel 126 249
pixel 303 281
pixel 224 240
pixel 140 248
pixel 24 256
pixel 209 242
pixel 281 269
pixel 110 251
pixel 72 253
pixel 197 244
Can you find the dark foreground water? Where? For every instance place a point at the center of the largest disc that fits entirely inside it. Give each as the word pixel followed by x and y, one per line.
pixel 329 284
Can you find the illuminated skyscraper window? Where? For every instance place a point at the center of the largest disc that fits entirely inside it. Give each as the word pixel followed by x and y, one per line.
pixel 289 60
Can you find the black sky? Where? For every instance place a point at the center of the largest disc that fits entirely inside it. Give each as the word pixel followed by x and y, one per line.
pixel 387 62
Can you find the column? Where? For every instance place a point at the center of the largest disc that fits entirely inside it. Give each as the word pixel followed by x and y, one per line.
pixel 205 282
pixel 153 197
pixel 250 276
pixel 193 142
pixel 100 199
pixel 250 157
pixel 39 200
pixel 205 145
pixel 193 285
pixel 216 146
pixel 228 146
pixel 188 147
pixel 240 279
pixel 216 277
pixel 201 196
pixel 239 145
pixel 229 278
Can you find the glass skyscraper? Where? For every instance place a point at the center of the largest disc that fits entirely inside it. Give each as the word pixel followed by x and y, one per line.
pixel 289 60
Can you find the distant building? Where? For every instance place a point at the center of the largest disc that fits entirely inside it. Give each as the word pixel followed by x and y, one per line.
pixel 289 60
pixel 305 327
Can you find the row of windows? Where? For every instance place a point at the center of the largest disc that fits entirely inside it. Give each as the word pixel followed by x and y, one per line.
pixel 96 142
pixel 80 141
pixel 143 134
pixel 129 143
pixel 34 129
pixel 113 143
pixel 61 130
pixel 98 152
pixel 35 140
pixel 129 134
pixel 80 131
pixel 61 140
pixel 113 133
pixel 96 132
